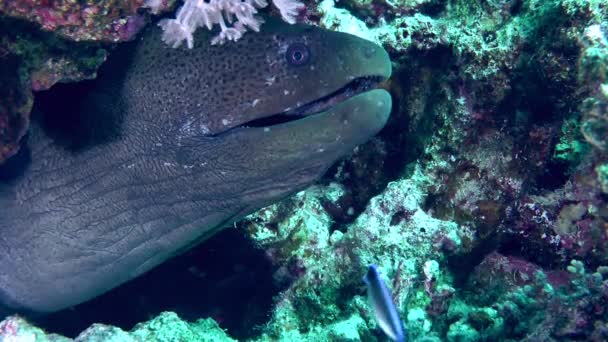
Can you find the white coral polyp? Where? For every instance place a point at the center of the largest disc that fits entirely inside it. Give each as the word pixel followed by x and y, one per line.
pixel 198 13
pixel 174 33
pixel 289 9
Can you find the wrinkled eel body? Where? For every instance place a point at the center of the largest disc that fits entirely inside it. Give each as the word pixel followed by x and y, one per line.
pixel 170 145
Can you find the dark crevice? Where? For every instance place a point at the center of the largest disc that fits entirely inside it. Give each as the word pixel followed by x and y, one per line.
pixel 384 158
pixel 532 249
pixel 461 266
pixel 554 176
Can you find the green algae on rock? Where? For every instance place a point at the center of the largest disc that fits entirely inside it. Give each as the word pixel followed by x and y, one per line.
pixel 15 328
pixel 392 232
pixel 166 327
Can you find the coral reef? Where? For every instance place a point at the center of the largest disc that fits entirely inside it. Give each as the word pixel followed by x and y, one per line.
pixel 31 60
pixel 324 266
pixel 165 327
pixel 484 201
pixel 91 20
pixel 505 111
pixel 38 49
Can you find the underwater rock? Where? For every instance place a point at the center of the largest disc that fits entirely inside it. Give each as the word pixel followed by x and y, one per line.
pixel 593 74
pixel 521 301
pixel 568 222
pixel 398 36
pixel 109 21
pixel 15 105
pixel 326 286
pixel 16 329
pixel 31 57
pixel 165 327
pixel 32 60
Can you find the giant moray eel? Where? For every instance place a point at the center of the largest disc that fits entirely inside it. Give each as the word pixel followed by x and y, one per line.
pixel 171 145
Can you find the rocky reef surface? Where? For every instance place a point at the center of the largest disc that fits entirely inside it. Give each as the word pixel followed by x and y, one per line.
pixel 165 327
pixel 38 48
pixel 484 201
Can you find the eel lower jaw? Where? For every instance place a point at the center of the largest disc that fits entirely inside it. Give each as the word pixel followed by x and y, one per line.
pixel 353 88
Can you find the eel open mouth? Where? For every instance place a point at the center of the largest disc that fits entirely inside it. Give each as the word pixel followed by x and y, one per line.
pixel 355 87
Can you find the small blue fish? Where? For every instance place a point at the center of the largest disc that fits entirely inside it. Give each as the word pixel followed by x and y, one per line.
pixel 381 301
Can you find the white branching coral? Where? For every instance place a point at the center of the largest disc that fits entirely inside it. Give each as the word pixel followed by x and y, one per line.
pixel 234 18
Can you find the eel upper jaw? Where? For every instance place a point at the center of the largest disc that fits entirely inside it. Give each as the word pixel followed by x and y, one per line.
pixel 355 87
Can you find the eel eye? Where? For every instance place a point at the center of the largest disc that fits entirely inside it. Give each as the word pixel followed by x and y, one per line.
pixel 298 54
